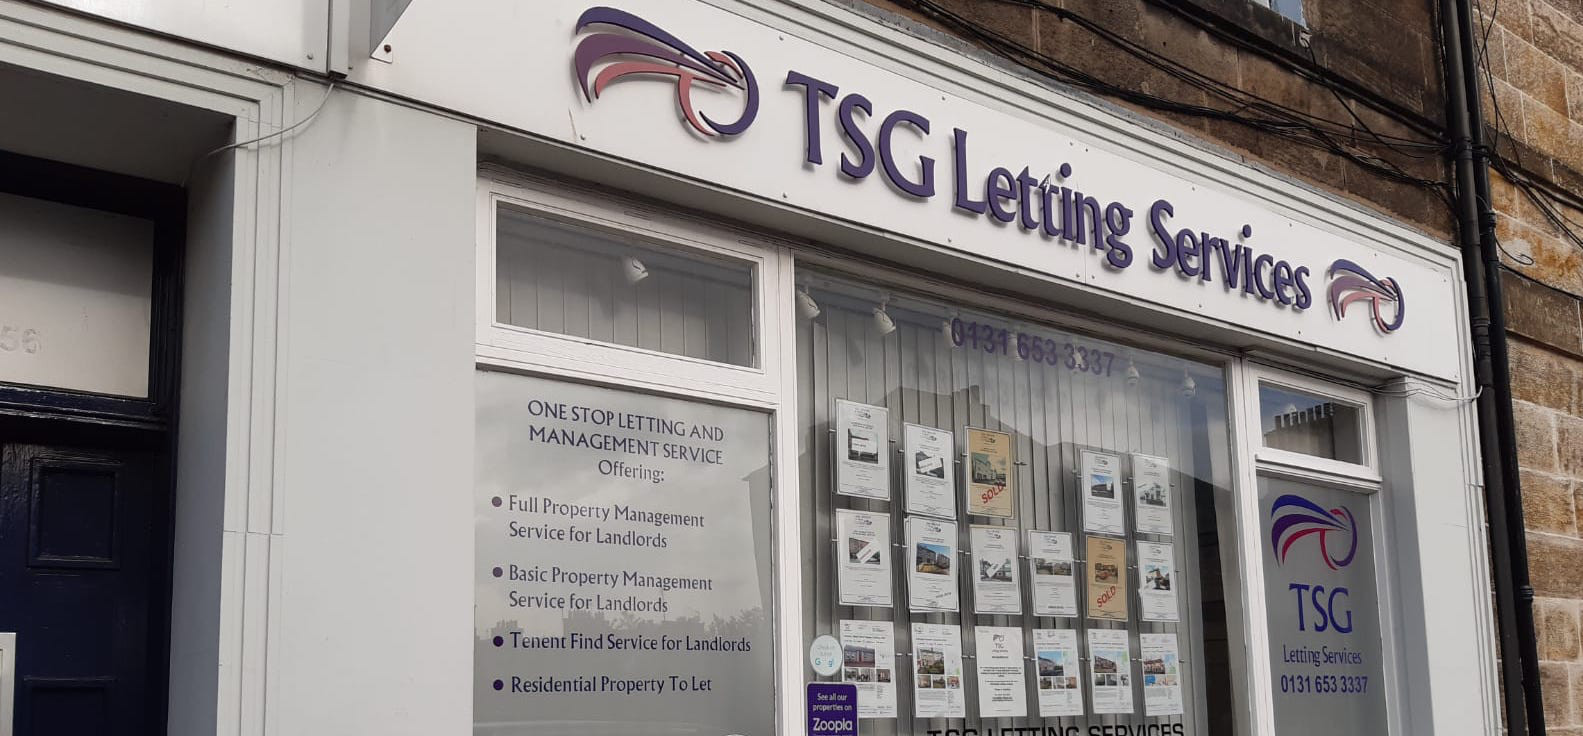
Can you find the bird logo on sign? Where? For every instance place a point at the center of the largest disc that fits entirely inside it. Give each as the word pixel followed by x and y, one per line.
pixel 633 48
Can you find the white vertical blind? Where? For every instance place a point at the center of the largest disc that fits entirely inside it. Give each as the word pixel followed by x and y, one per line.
pixel 583 283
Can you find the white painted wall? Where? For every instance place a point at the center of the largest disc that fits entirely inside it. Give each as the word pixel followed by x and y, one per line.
pixel 293 32
pixel 201 452
pixel 1440 575
pixel 373 620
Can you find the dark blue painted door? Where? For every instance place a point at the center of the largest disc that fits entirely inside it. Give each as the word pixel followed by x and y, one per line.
pixel 80 558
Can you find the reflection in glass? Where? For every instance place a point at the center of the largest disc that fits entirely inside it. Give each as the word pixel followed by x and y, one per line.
pixel 580 282
pixel 1312 425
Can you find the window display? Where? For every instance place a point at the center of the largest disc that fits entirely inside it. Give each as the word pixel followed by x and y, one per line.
pixel 1063 439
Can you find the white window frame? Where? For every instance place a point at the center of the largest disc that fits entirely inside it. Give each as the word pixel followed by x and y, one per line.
pixel 1364 475
pixel 770 386
pixel 1255 460
pixel 516 347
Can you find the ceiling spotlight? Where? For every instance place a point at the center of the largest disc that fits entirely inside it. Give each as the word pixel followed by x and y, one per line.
pixel 946 330
pixel 1132 373
pixel 882 321
pixel 1189 386
pixel 806 306
pixel 633 270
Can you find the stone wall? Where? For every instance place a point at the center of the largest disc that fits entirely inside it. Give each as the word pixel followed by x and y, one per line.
pixel 1384 51
pixel 1536 65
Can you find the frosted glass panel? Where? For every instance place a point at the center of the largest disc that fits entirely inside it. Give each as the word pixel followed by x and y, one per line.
pixel 75 288
pixel 584 283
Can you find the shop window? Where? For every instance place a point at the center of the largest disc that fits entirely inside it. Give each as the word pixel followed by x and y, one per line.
pixel 1292 9
pixel 1323 608
pixel 587 284
pixel 1008 524
pixel 1310 424
pixel 623 576
pixel 1322 527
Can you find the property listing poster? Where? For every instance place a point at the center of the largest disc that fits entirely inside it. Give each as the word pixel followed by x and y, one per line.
pixel 1054 581
pixel 1156 582
pixel 990 487
pixel 1060 679
pixel 1151 494
pixel 1102 509
pixel 1162 675
pixel 1107 579
pixel 868 660
pixel 931 576
pixel 864 553
pixel 996 588
pixel 1002 674
pixel 929 470
pixel 1110 659
pixel 937 671
pixel 862 450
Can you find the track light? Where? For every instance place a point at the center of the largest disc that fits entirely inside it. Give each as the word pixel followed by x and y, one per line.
pixel 1132 373
pixel 806 306
pixel 945 325
pixel 1189 386
pixel 633 270
pixel 882 321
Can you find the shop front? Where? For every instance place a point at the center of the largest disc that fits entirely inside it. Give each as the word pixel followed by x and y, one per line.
pixel 631 369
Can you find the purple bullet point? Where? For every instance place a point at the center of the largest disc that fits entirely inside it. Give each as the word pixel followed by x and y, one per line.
pixel 499 685
pixel 496 501
pixel 500 641
pixel 498 572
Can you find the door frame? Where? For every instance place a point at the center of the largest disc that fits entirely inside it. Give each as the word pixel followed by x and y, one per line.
pixel 163 204
pixel 148 424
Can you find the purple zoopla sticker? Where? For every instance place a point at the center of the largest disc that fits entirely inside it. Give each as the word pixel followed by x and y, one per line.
pixel 832 709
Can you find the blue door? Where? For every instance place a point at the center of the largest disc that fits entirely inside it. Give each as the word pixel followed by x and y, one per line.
pixel 83 550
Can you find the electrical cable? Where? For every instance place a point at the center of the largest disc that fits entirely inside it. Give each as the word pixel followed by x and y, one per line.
pixel 1294 125
pixel 1543 200
pixel 193 168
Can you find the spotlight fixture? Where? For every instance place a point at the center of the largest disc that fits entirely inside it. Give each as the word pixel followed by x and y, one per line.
pixel 633 270
pixel 945 325
pixel 806 306
pixel 882 321
pixel 1189 386
pixel 1132 373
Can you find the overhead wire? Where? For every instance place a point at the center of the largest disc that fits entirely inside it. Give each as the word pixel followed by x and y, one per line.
pixel 1267 116
pixel 1513 171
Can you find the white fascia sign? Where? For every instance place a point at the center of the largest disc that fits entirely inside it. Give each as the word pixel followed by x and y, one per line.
pixel 1069 191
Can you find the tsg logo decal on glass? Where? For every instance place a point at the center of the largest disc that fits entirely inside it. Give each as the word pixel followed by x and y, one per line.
pixel 638 48
pixel 1293 518
pixel 1350 283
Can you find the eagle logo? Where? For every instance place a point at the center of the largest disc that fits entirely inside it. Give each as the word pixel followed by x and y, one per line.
pixel 1293 518
pixel 636 48
pixel 1350 283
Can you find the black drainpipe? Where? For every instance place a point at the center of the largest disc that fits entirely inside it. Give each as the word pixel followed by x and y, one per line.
pixel 1519 663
